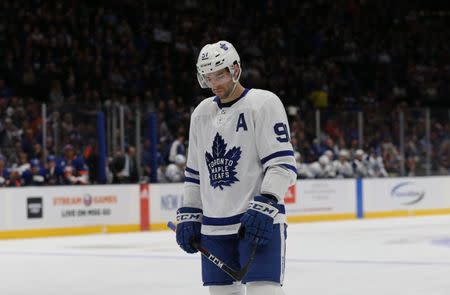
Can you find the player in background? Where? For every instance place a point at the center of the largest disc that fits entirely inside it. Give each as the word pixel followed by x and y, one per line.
pixel 321 168
pixel 175 171
pixel 359 164
pixel 35 176
pixel 53 172
pixel 177 147
pixel 4 173
pixel 74 169
pixel 342 166
pixel 240 165
pixel 375 164
pixel 302 168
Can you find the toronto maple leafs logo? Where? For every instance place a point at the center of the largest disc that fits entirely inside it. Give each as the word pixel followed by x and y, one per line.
pixel 222 163
pixel 224 46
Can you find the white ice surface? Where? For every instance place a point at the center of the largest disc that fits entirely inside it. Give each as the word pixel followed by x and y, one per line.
pixel 406 256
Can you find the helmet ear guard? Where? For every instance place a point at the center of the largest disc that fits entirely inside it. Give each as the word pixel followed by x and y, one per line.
pixel 231 68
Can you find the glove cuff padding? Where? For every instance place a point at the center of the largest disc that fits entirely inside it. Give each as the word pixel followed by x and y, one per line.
pixel 258 220
pixel 189 214
pixel 189 227
pixel 264 205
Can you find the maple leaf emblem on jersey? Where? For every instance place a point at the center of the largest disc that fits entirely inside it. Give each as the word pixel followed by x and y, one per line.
pixel 222 163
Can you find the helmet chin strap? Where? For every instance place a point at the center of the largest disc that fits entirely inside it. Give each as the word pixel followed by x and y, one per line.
pixel 232 91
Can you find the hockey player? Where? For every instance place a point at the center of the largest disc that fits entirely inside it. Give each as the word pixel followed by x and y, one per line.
pixel 175 171
pixel 321 168
pixel 74 169
pixel 376 165
pixel 360 164
pixel 342 165
pixel 239 167
pixel 35 176
pixel 4 173
pixel 53 172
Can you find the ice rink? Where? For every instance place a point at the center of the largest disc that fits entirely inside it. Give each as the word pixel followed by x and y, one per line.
pixel 405 256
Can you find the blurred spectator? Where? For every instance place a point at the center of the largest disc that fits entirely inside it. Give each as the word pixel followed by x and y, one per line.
pixel 161 174
pixel 124 166
pixel 444 167
pixel 330 155
pixel 390 155
pixel 410 164
pixel 4 173
pixel 90 154
pixel 22 165
pixel 177 147
pixel 53 172
pixel 325 55
pixel 10 134
pixel 15 178
pixel 303 170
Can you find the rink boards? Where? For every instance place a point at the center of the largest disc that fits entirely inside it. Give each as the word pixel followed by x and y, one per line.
pixel 71 210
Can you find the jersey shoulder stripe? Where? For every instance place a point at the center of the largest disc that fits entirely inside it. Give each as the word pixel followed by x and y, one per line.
pixel 290 167
pixel 192 180
pixel 277 155
pixel 192 171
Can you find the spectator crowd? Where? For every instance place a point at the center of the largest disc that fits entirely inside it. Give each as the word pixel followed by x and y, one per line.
pixel 339 57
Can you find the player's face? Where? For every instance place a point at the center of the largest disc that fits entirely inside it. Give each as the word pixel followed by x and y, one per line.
pixel 220 82
pixel 69 153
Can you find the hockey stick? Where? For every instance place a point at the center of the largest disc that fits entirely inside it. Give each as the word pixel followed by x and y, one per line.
pixel 235 274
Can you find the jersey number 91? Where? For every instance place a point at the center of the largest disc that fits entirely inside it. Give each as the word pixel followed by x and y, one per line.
pixel 281 130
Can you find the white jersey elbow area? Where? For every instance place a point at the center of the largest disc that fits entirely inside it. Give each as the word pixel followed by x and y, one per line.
pixel 277 181
pixel 191 196
pixel 192 176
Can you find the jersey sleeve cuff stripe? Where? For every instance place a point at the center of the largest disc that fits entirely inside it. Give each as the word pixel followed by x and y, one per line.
pixel 193 180
pixel 233 219
pixel 290 167
pixel 190 170
pixel 222 220
pixel 277 155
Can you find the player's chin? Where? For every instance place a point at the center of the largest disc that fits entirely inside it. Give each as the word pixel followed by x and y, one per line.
pixel 219 92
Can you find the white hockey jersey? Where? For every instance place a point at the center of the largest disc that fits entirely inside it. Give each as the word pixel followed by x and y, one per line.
pixel 321 171
pixel 343 169
pixel 236 151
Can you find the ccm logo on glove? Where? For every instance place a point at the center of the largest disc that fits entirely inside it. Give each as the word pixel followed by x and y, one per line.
pixel 181 217
pixel 263 208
